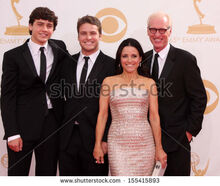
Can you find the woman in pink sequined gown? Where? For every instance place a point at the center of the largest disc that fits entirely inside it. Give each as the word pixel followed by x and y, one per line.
pixel 133 144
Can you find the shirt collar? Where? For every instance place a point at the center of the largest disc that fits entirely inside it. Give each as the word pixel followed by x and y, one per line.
pixel 35 48
pixel 92 57
pixel 163 53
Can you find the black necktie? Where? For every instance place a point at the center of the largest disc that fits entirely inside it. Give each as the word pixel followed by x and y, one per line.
pixel 43 65
pixel 155 68
pixel 84 71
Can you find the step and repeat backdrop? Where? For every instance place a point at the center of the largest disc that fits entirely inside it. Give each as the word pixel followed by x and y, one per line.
pixel 196 28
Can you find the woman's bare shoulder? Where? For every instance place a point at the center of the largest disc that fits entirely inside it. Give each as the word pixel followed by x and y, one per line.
pixel 148 82
pixel 111 79
pixel 146 79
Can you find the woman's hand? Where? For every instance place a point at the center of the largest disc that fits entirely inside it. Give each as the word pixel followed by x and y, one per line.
pixel 104 147
pixel 161 156
pixel 98 154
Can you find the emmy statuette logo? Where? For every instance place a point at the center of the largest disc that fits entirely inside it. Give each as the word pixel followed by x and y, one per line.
pixel 114 24
pixel 200 28
pixel 195 160
pixel 4 160
pixel 18 29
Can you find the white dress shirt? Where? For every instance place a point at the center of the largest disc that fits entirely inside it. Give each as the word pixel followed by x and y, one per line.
pixel 35 53
pixel 80 64
pixel 161 59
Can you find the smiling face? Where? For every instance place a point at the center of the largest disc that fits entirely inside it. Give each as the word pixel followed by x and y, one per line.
pixel 130 59
pixel 159 41
pixel 41 31
pixel 89 37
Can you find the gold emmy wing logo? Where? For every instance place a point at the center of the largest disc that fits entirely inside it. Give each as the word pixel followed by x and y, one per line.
pixel 18 29
pixel 4 160
pixel 200 28
pixel 195 160
pixel 112 21
pixel 212 95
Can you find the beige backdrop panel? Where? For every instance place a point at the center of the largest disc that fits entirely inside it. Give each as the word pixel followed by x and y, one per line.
pixel 129 19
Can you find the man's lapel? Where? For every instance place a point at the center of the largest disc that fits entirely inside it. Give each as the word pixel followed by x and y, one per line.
pixel 28 58
pixel 148 59
pixel 55 59
pixel 74 62
pixel 97 67
pixel 168 64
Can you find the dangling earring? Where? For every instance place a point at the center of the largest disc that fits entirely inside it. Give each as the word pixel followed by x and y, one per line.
pixel 119 65
pixel 140 64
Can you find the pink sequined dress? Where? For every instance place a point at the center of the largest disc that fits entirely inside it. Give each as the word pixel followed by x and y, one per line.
pixel 131 148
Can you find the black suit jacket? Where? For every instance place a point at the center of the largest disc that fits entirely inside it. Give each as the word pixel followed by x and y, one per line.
pixel 182 97
pixel 84 107
pixel 23 94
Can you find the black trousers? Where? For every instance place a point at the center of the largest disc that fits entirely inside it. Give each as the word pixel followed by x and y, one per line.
pixel 45 149
pixel 77 161
pixel 178 162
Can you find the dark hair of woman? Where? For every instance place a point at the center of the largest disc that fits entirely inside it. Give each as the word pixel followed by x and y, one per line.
pixel 142 69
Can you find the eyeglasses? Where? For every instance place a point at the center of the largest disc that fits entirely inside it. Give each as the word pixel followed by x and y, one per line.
pixel 161 30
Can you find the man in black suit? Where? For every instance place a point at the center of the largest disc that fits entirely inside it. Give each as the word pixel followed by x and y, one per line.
pixel 30 115
pixel 182 97
pixel 83 76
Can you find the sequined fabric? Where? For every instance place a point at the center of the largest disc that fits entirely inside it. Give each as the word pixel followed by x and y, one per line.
pixel 131 147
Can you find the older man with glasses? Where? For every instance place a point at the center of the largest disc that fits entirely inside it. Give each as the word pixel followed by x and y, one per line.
pixel 181 94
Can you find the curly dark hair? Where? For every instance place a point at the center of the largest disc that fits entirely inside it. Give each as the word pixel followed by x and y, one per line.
pixel 142 69
pixel 43 13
